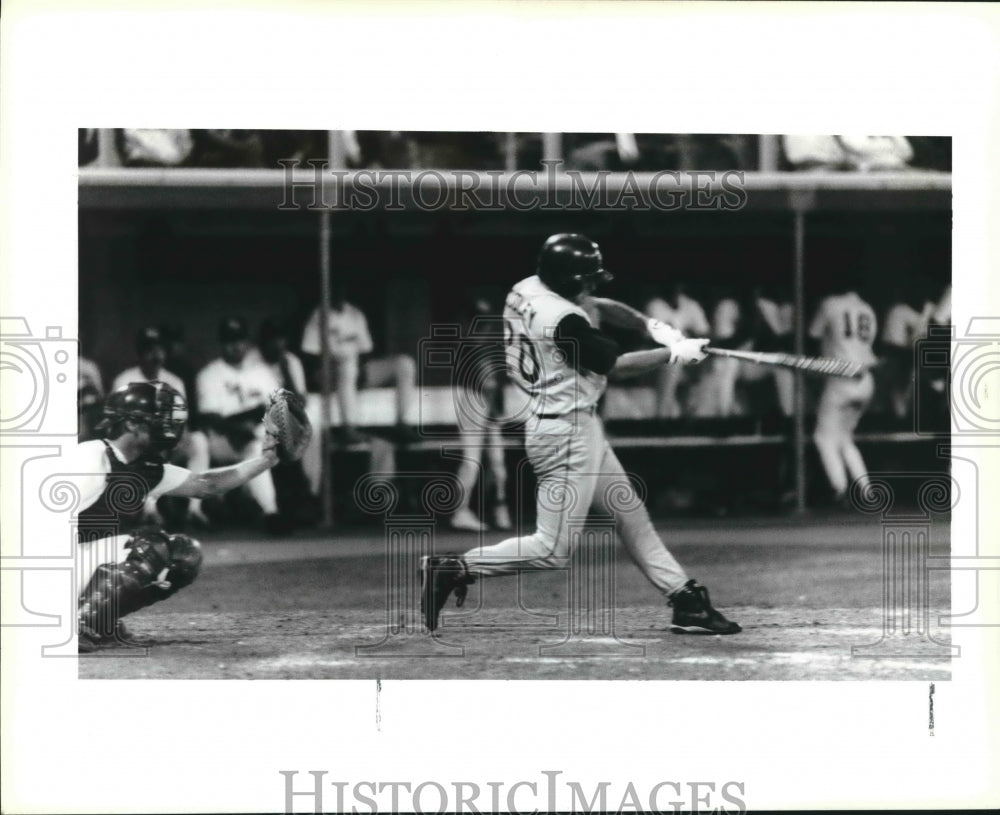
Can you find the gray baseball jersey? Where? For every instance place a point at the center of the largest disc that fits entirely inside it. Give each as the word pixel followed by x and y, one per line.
pixel 575 465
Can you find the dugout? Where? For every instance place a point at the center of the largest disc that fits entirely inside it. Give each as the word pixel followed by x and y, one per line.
pixel 193 245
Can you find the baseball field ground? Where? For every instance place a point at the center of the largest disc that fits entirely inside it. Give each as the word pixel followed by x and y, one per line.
pixel 318 606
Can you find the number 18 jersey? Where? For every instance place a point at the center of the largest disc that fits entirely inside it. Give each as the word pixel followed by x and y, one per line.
pixel 534 362
pixel 845 326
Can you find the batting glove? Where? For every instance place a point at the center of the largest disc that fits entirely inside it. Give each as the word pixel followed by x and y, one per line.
pixel 688 351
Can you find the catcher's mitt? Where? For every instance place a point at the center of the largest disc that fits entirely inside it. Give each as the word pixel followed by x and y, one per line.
pixel 287 424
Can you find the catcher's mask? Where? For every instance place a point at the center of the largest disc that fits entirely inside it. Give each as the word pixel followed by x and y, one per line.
pixel 571 264
pixel 156 404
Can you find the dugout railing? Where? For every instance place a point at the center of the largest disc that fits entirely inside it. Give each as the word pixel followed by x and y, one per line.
pixel 324 191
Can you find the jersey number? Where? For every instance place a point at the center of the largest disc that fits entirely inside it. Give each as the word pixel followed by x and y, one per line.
pixel 527 356
pixel 858 324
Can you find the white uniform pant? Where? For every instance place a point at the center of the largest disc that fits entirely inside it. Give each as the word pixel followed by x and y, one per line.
pixel 577 469
pixel 840 408
pixel 668 380
pixel 714 393
pixel 399 372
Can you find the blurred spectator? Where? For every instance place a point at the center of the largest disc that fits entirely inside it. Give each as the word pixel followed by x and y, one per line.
pixel 398 150
pixel 87 145
pixel 227 148
pixel 293 145
pixel 599 151
pixel 89 398
pixel 686 315
pixel 232 397
pixel 296 501
pixel 861 153
pixel 252 149
pixel 479 401
pixel 272 351
pixel 714 392
pixel 178 361
pixel 154 147
pixel 380 150
pixel 707 151
pixel 350 345
pixel 457 151
pixel 192 450
pixel 527 151
pixel 651 152
pixel 151 351
pixel 389 149
pixel 903 326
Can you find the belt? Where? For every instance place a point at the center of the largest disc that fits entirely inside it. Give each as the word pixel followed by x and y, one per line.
pixel 590 411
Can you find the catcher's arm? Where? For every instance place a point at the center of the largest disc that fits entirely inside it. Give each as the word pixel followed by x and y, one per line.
pixel 223 479
pixel 286 433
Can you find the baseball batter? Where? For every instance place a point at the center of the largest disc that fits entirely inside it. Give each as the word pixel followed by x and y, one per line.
pixel 557 356
pixel 121 566
pixel 845 327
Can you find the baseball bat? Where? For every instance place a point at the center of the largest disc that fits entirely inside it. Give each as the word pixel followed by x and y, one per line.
pixel 816 365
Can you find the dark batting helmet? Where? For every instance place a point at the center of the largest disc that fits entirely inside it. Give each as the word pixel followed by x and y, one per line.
pixel 155 404
pixel 570 263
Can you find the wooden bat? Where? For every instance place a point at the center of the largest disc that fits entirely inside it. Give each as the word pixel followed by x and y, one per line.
pixel 816 365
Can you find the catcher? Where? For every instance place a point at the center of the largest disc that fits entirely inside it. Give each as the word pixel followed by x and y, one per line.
pixel 121 566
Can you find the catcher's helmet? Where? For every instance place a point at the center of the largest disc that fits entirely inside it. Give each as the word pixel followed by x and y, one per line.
pixel 569 263
pixel 156 404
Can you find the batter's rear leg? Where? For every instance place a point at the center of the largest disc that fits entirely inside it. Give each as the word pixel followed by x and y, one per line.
pixel 693 612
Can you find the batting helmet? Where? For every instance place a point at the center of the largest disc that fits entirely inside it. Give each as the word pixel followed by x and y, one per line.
pixel 156 404
pixel 570 263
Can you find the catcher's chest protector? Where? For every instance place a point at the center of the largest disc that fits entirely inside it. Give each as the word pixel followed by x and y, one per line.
pixel 119 508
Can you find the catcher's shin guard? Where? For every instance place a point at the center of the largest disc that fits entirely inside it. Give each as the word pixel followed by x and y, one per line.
pixel 157 566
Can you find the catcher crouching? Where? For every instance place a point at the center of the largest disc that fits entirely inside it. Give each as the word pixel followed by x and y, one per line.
pixel 121 566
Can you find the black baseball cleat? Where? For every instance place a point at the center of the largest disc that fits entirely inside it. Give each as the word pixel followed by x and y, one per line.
pixel 439 577
pixel 693 612
pixel 89 640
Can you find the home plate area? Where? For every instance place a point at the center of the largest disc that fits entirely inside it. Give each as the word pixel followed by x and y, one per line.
pixel 808 593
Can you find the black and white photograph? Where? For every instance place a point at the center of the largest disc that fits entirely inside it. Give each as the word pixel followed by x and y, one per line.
pixel 604 402
pixel 689 356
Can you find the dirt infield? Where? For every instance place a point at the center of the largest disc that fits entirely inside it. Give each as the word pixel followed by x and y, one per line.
pixel 805 592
